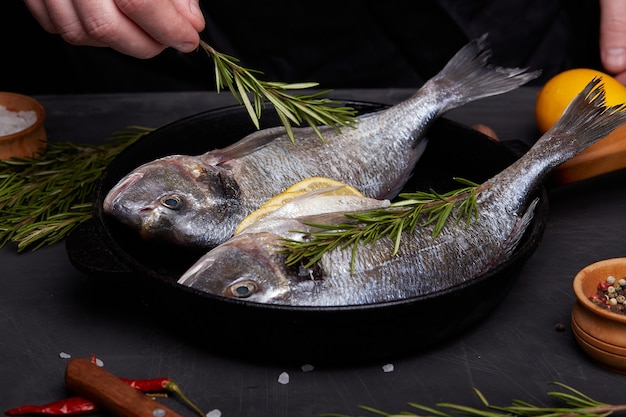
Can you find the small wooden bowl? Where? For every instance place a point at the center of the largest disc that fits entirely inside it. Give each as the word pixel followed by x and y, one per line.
pixel 29 141
pixel 601 333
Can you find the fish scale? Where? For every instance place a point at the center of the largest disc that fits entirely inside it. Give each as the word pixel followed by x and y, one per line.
pixel 425 263
pixel 376 156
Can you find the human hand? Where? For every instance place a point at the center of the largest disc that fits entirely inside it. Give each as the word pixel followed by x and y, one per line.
pixel 139 28
pixel 613 37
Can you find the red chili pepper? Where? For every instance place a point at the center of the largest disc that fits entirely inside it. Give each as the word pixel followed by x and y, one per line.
pixel 79 405
pixel 67 406
pixel 148 385
pixel 160 385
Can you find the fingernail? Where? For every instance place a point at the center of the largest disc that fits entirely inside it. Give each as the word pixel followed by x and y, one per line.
pixel 186 47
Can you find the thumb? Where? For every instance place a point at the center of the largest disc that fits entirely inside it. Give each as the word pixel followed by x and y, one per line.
pixel 613 35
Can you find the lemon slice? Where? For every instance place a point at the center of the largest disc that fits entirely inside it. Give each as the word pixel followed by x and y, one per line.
pixel 305 186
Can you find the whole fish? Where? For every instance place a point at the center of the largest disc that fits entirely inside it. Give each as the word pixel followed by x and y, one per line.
pixel 198 201
pixel 252 266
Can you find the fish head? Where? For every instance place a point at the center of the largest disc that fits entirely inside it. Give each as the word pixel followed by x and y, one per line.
pixel 247 267
pixel 179 200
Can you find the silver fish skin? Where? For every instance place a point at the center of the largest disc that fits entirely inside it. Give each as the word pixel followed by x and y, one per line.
pixel 254 252
pixel 251 267
pixel 198 201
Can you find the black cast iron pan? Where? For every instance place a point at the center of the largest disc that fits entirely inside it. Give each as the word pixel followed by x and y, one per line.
pixel 110 252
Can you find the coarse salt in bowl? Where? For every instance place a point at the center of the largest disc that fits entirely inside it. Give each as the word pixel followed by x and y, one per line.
pixel 22 132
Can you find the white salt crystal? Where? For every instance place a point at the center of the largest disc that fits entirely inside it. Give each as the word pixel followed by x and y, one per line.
pixel 283 378
pixel 214 413
pixel 15 121
pixel 307 367
pixel 64 355
pixel 99 362
pixel 388 368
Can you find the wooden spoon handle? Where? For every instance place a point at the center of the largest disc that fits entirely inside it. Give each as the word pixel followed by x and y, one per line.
pixel 604 156
pixel 109 392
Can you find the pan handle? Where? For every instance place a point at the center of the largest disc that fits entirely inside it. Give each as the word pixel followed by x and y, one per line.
pixel 90 254
pixel 109 392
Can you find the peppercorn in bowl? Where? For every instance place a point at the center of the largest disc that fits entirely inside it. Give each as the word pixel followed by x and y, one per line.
pixel 22 132
pixel 599 314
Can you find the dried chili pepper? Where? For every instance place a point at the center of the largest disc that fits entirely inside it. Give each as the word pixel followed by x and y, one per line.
pixel 161 385
pixel 148 385
pixel 80 405
pixel 66 406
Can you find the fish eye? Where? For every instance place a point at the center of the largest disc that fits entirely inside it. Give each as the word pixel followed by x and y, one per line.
pixel 172 201
pixel 243 289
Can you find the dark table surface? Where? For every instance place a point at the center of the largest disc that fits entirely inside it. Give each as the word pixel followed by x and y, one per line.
pixel 49 309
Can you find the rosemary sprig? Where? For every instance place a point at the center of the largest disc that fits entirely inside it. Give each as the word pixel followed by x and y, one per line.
pixel 371 225
pixel 313 109
pixel 580 405
pixel 42 199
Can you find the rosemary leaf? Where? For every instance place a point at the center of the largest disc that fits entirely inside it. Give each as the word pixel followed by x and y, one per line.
pixel 253 112
pixel 376 411
pixel 42 199
pixel 470 411
pixel 372 225
pixel 291 109
pixel 574 398
pixel 292 86
pixel 430 410
pixel 580 406
pixel 284 108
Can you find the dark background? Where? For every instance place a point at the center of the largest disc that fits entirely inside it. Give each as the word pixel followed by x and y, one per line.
pixel 48 307
pixel 340 44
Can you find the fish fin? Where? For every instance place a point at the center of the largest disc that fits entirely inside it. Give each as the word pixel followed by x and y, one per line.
pixel 402 179
pixel 514 237
pixel 468 77
pixel 248 144
pixel 521 227
pixel 586 120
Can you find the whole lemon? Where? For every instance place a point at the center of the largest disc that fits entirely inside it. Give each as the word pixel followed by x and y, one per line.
pixel 557 93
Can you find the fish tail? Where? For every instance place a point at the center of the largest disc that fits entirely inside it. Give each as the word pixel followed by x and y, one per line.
pixel 468 77
pixel 586 120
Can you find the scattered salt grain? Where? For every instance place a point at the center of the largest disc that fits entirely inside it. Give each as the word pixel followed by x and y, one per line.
pixel 64 355
pixel 307 367
pixel 283 378
pixel 214 413
pixel 388 368
pixel 15 121
pixel 99 362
